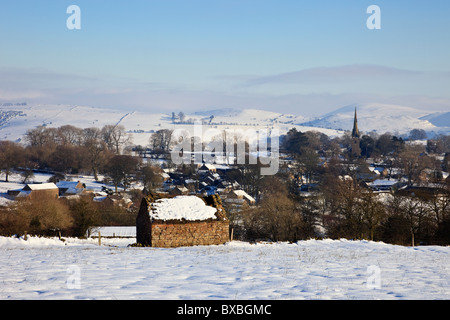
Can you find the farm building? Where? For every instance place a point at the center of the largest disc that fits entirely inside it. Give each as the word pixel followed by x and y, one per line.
pixel 70 187
pixel 181 221
pixel 35 191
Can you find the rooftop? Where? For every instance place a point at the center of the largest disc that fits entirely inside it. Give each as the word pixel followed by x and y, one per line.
pixel 40 186
pixel 190 208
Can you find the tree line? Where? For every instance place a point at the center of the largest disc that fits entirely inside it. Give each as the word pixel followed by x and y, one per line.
pixel 50 216
pixel 338 202
pixel 340 205
pixel 71 150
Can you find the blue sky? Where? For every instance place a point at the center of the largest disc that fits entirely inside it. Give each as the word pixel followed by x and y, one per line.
pixel 302 57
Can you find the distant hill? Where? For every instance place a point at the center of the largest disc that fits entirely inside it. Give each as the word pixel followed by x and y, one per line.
pixel 383 118
pixel 16 119
pixel 439 119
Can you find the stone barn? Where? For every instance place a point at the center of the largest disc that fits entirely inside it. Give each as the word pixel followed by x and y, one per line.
pixel 181 221
pixel 39 191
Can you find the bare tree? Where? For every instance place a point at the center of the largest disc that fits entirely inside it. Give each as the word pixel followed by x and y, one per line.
pixel 39 136
pixel 151 177
pixel 115 137
pixel 276 218
pixel 121 169
pixel 11 156
pixel 160 140
pixel 69 134
pixel 373 210
pixel 412 161
pixel 43 214
pixel 342 195
pixel 96 150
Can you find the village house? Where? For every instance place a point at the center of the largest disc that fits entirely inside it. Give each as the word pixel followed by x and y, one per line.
pixel 69 188
pixel 113 200
pixel 379 171
pixel 206 168
pixel 240 196
pixel 179 190
pixel 227 186
pixel 383 185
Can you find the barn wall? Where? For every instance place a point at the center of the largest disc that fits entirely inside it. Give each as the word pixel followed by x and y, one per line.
pixel 45 194
pixel 168 235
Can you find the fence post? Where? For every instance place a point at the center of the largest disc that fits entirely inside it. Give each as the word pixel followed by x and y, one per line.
pixel 99 238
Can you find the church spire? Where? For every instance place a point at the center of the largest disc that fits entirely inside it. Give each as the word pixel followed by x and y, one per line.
pixel 355 132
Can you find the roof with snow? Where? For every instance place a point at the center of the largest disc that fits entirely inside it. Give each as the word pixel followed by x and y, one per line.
pixel 243 194
pixel 70 187
pixel 207 166
pixel 190 208
pixel 40 186
pixel 384 182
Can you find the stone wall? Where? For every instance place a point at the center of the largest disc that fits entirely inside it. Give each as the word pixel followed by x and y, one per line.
pixel 169 235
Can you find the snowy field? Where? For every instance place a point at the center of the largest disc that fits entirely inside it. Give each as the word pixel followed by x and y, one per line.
pixel 316 269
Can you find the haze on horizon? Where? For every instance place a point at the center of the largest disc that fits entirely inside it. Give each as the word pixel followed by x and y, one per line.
pixel 299 57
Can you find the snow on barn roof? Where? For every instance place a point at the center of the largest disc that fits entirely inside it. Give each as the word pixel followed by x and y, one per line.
pixel 190 208
pixel 40 186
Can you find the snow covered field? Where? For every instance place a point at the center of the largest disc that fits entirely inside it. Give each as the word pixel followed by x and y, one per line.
pixel 315 269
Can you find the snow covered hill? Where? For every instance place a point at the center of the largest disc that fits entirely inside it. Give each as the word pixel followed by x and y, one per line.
pixel 15 120
pixel 383 118
pixel 42 268
pixel 439 119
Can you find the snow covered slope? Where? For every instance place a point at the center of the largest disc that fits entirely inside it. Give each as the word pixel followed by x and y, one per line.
pixel 250 117
pixel 15 120
pixel 383 118
pixel 440 119
pixel 42 268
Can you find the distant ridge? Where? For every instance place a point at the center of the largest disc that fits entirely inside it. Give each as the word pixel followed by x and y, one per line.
pixel 16 119
pixel 223 112
pixel 439 119
pixel 381 118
